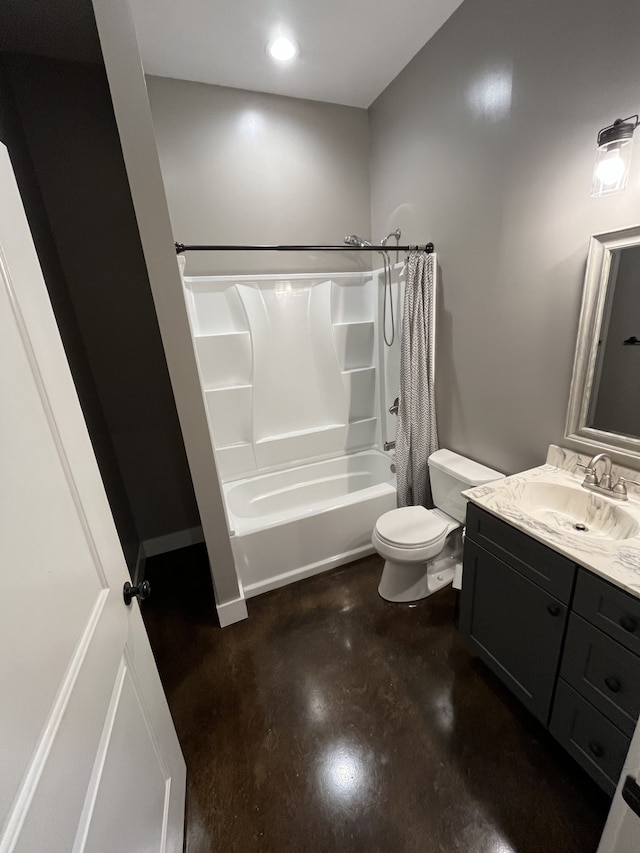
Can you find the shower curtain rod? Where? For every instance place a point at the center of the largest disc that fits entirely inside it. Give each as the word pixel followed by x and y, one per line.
pixel 180 248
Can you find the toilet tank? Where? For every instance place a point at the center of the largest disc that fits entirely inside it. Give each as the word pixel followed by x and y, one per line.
pixel 450 475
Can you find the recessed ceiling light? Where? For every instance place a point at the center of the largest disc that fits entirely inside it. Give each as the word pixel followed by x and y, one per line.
pixel 282 49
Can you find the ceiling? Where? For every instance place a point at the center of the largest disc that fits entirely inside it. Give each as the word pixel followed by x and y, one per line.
pixel 350 50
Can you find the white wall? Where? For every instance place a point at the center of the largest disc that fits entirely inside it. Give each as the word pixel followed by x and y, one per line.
pixel 485 144
pixel 245 167
pixel 133 116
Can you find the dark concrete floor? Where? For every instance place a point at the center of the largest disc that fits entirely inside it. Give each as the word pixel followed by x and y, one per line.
pixel 331 721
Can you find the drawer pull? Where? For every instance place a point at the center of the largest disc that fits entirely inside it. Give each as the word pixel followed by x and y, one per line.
pixel 613 683
pixel 596 748
pixel 628 623
pixel 554 609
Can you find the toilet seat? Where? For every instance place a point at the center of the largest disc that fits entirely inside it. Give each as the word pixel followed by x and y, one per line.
pixel 411 527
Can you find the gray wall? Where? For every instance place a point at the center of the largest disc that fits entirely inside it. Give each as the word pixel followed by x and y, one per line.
pixel 94 267
pixel 485 144
pixel 244 167
pixel 12 135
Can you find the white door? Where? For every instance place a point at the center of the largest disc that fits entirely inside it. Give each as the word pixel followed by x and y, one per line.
pixel 89 758
pixel 622 830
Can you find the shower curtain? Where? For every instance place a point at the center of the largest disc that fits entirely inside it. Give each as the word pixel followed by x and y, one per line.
pixel 416 433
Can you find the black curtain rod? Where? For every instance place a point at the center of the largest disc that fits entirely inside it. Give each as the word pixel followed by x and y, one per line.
pixel 180 248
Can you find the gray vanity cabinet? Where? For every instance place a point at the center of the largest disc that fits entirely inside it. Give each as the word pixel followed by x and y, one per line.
pixel 513 610
pixel 565 641
pixel 597 700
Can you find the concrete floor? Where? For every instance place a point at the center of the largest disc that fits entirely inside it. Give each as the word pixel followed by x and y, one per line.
pixel 331 721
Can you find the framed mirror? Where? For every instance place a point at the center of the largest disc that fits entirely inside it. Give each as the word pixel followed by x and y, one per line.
pixel 604 402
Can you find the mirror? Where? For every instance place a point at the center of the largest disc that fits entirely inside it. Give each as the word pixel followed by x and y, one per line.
pixel 604 403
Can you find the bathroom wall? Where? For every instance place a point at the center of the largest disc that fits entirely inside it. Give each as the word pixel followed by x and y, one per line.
pixel 485 144
pixel 245 167
pixel 290 366
pixel 75 188
pixel 12 136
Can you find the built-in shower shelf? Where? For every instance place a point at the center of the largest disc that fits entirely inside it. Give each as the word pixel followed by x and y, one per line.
pixel 225 359
pixel 362 421
pixel 352 323
pixel 217 388
pixel 301 444
pixel 235 459
pixel 360 392
pixel 230 414
pixel 354 344
pixel 233 444
pixel 233 334
pixel 361 432
pixel 312 431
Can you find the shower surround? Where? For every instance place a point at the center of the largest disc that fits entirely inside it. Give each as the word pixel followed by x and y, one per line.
pixel 295 378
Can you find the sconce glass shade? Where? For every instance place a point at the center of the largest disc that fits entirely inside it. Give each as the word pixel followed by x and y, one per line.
pixel 613 157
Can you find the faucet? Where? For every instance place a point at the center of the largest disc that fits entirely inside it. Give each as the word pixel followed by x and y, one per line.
pixel 604 484
pixel 605 481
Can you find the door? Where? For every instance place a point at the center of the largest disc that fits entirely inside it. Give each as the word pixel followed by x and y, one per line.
pixel 513 625
pixel 622 829
pixel 90 758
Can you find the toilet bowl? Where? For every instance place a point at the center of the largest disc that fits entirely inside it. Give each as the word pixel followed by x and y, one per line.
pixel 423 547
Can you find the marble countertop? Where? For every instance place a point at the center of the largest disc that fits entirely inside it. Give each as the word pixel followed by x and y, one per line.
pixel 618 561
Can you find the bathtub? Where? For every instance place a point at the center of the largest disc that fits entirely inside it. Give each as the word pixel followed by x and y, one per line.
pixel 290 524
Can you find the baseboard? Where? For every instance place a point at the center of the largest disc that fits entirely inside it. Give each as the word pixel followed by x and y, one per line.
pixel 232 611
pixel 172 541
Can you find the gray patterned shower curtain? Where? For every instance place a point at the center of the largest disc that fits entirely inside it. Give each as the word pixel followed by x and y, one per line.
pixel 416 432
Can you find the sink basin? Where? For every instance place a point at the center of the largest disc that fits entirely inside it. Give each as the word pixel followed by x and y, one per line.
pixel 575 510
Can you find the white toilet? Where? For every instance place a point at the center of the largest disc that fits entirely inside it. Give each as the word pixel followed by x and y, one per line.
pixel 422 547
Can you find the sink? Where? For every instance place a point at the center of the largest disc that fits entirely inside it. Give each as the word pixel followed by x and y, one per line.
pixel 575 510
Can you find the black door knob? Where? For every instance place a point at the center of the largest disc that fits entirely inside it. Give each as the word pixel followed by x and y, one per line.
pixel 554 609
pixel 140 592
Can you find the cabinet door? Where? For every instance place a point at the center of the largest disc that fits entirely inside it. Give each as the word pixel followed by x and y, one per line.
pixel 514 626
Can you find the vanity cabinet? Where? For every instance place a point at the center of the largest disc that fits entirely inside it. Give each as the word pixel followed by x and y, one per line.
pixel 565 641
pixel 514 607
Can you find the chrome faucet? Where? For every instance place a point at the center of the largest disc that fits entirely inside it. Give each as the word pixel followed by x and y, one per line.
pixel 604 485
pixel 604 482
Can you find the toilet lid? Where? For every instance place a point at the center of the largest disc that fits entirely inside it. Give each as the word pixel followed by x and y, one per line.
pixel 411 526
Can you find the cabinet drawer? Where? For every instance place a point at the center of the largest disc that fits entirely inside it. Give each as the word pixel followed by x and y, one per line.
pixel 595 743
pixel 514 626
pixel 542 565
pixel 611 609
pixel 604 672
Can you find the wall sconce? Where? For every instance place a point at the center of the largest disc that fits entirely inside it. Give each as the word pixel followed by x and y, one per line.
pixel 613 157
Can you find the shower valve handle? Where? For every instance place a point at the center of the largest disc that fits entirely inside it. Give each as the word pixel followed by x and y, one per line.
pixel 393 410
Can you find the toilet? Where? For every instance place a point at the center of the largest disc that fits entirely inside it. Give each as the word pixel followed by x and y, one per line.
pixel 423 547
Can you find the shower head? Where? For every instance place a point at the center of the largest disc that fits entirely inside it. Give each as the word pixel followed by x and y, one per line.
pixel 395 234
pixel 354 240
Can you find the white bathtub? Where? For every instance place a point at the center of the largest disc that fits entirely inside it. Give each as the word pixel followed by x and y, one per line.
pixel 291 524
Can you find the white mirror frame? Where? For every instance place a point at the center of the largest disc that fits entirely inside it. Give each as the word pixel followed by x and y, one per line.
pixel 578 435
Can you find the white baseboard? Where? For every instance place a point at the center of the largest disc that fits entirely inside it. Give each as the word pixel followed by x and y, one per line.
pixel 172 541
pixel 232 611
